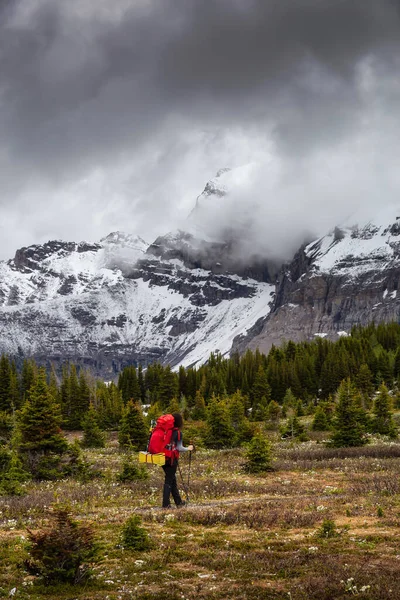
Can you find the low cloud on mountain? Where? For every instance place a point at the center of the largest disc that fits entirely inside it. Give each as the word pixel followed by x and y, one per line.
pixel 113 116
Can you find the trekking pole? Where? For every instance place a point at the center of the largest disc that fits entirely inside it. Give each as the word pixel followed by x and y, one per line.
pixel 190 465
pixel 185 489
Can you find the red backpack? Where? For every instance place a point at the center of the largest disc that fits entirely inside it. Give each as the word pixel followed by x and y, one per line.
pixel 160 439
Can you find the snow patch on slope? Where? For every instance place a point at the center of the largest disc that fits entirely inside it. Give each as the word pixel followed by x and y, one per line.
pixel 73 272
pixel 357 249
pixel 70 300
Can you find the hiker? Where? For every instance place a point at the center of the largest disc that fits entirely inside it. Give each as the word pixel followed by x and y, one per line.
pixel 171 464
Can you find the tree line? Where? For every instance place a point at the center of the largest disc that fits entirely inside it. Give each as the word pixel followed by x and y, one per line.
pixel 312 371
pixel 348 387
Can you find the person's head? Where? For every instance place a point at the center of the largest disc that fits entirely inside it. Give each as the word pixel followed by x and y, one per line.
pixel 178 420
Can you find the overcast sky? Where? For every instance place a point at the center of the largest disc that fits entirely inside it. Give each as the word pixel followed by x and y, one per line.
pixel 113 115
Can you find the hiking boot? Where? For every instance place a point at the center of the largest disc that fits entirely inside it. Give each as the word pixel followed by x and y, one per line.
pixel 183 503
pixel 169 507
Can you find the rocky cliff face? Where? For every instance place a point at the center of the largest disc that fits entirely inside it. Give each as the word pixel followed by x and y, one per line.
pixel 346 278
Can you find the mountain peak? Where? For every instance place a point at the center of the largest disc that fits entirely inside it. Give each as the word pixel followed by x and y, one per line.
pixel 123 239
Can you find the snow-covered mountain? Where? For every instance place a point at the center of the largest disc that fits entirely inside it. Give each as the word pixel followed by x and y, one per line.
pixel 345 278
pixel 120 301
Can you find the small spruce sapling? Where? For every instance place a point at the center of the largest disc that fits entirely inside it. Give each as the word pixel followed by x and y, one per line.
pixel 12 473
pixel 328 529
pixel 259 455
pixel 320 422
pixel 134 536
pixel 294 429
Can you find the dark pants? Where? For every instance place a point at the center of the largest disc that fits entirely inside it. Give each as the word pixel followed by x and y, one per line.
pixel 170 485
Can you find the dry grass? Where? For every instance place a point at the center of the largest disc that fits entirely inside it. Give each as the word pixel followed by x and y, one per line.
pixel 242 536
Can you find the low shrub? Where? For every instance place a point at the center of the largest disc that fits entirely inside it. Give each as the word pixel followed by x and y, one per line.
pixel 63 553
pixel 130 471
pixel 328 529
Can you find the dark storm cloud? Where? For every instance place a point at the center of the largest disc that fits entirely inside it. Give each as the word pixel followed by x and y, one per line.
pixel 76 87
pixel 85 85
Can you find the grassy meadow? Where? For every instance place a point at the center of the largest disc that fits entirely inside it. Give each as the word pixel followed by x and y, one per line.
pixel 323 524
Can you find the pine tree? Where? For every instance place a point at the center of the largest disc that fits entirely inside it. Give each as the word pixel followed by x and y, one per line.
pixel 385 368
pixel 64 553
pixel 383 416
pixel 5 382
pixel 364 380
pixel 155 411
pixel 289 402
pixel 39 420
pixel 219 432
pixel 109 405
pixel 294 429
pixel 93 437
pixel 40 442
pixel 168 388
pixel 299 409
pixel 7 423
pixel 259 455
pixel 289 399
pixel 260 410
pixel 14 391
pixel 261 388
pixel 133 431
pixel 173 406
pixel 397 363
pixel 28 377
pixel 347 429
pixel 85 394
pixel 320 422
pixel 128 383
pixel 54 386
pixel 239 421
pixel 236 408
pixel 73 408
pixel 273 414
pixel 191 385
pixel 199 411
pixel 182 381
